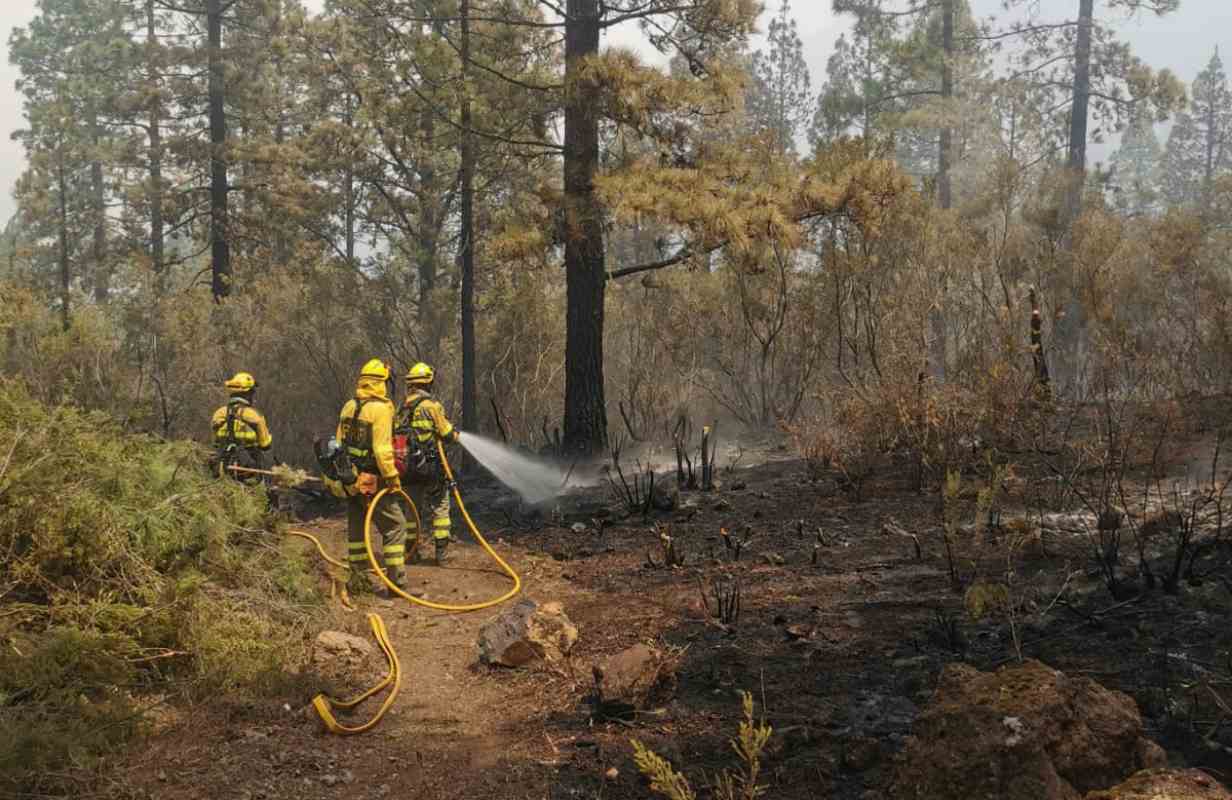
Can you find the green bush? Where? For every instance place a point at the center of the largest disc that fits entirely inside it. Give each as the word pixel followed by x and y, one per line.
pixel 126 572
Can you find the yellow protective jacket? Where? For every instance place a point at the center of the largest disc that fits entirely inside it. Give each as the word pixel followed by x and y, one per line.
pixel 429 418
pixel 368 436
pixel 248 426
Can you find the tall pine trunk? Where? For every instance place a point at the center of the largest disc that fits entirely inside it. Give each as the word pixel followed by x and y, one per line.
pixel 348 189
pixel 98 216
pixel 467 156
pixel 585 408
pixel 945 155
pixel 1069 331
pixel 282 240
pixel 220 247
pixel 945 191
pixel 429 226
pixel 65 276
pixel 157 243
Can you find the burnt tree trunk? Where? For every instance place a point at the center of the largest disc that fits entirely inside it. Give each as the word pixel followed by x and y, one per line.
pixel 585 408
pixel 945 154
pixel 945 191
pixel 348 188
pixel 1038 358
pixel 157 241
pixel 65 276
pixel 101 278
pixel 1070 329
pixel 220 247
pixel 467 157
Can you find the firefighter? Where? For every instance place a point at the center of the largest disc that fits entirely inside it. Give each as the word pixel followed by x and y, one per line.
pixel 365 430
pixel 424 419
pixel 241 435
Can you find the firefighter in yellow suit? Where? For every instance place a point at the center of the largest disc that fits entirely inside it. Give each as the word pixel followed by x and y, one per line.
pixel 425 417
pixel 365 431
pixel 241 434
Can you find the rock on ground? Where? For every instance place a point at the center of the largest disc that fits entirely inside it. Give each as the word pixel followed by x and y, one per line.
pixel 1026 732
pixel 1166 784
pixel 333 646
pixel 527 632
pixel 632 675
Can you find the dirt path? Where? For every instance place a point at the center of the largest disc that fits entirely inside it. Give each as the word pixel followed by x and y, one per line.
pixel 842 634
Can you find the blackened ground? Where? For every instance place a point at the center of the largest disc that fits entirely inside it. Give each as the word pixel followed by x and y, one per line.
pixel 842 632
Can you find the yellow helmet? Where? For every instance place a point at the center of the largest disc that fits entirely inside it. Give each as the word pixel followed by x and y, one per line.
pixel 420 373
pixel 241 382
pixel 375 368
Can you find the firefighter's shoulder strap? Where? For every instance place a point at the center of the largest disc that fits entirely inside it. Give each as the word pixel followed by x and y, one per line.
pixel 353 429
pixel 409 417
pixel 233 406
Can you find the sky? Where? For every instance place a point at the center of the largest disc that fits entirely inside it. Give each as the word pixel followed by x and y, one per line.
pixel 1182 41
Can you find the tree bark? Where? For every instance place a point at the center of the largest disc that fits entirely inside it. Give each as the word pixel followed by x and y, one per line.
pixel 65 277
pixel 98 216
pixel 157 243
pixel 946 145
pixel 282 240
pixel 585 408
pixel 429 225
pixel 467 157
pixel 1077 153
pixel 1208 168
pixel 1069 330
pixel 220 248
pixel 349 189
pixel 945 193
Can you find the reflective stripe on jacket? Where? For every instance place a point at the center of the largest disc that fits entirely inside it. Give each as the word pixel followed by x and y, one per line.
pixel 429 418
pixel 248 426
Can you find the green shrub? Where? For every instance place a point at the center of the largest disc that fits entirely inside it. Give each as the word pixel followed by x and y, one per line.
pixel 126 572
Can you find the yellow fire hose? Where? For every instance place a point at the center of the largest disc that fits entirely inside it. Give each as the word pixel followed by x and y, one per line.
pixel 336 588
pixel 470 523
pixel 325 706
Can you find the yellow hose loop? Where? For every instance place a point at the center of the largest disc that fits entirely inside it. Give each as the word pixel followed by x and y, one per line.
pixel 325 705
pixel 517 581
pixel 320 548
pixel 336 588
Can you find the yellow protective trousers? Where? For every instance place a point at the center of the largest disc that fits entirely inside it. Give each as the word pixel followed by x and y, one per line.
pixel 390 521
pixel 432 500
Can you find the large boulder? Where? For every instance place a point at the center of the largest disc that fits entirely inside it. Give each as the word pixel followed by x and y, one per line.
pixel 1165 784
pixel 1026 732
pixel 527 632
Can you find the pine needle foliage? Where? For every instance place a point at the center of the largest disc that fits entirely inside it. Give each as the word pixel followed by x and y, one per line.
pixel 740 784
pixel 128 577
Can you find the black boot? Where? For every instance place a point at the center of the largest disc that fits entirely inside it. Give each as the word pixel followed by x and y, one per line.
pixel 442 552
pixel 398 578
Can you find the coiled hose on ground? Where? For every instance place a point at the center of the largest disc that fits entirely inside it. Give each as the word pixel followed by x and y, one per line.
pixel 470 523
pixel 323 704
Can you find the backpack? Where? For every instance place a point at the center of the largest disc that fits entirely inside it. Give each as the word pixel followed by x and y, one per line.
pixel 416 460
pixel 227 451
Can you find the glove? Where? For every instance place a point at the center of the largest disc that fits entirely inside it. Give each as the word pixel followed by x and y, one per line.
pixel 336 488
pixel 457 434
pixel 393 483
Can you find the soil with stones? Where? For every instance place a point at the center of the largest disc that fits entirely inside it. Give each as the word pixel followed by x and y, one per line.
pixel 846 619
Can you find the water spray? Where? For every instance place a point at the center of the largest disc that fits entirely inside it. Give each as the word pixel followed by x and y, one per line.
pixel 534 480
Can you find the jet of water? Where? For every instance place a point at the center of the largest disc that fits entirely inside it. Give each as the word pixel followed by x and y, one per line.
pixel 534 480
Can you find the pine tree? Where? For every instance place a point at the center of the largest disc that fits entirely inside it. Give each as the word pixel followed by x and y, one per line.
pixel 860 88
pixel 1136 168
pixel 779 98
pixel 1199 147
pixel 73 61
